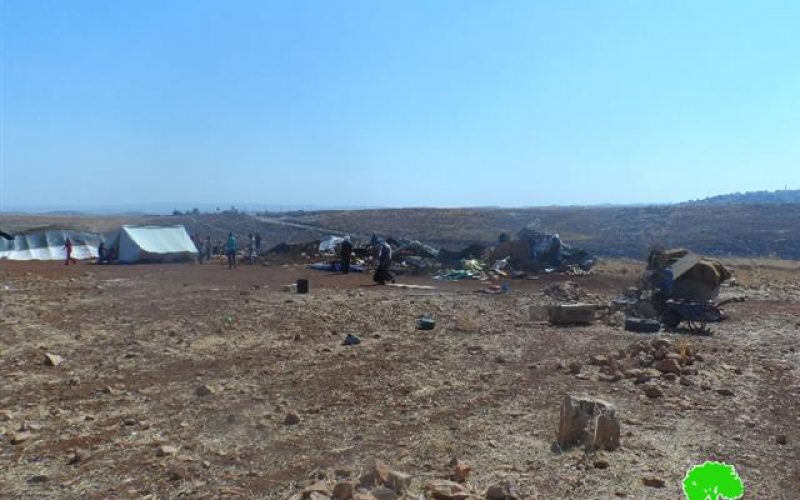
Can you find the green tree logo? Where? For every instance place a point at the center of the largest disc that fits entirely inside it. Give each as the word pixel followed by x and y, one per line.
pixel 712 481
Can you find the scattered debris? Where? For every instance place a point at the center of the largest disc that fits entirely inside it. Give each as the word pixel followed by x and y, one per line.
pixel 642 325
pixel 426 323
pixel 351 339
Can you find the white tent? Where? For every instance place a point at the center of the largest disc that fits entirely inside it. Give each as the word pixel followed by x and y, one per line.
pixel 48 244
pixel 153 244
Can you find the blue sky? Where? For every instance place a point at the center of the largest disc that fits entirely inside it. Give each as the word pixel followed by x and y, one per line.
pixel 375 103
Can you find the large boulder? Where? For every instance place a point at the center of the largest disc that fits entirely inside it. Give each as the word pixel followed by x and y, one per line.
pixel 591 422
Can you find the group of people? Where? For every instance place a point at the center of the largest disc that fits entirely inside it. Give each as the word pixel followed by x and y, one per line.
pixel 204 248
pixel 204 252
pixel 382 272
pixel 230 248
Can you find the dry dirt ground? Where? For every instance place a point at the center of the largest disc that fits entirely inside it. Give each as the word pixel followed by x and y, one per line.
pixel 210 362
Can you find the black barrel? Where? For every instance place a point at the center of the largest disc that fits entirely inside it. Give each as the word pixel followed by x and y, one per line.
pixel 302 286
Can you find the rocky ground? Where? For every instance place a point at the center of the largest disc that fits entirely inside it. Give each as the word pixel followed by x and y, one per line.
pixel 178 380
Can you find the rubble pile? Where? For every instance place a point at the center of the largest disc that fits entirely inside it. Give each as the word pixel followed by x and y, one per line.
pixel 380 481
pixel 644 362
pixel 568 291
pixel 532 251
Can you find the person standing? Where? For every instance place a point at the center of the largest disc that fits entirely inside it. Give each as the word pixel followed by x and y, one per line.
pixel 68 249
pixel 251 249
pixel 198 244
pixel 207 249
pixel 346 250
pixel 230 250
pixel 382 273
pixel 258 244
pixel 102 253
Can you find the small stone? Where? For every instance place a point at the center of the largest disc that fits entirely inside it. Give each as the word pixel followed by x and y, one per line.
pixel 203 391
pixel 669 376
pixel 291 419
pixel 661 342
pixel 363 495
pixel 79 456
pixel 647 375
pixel 379 474
pixel 38 479
pixel 441 489
pixel 661 352
pixel 502 492
pixel 601 464
pixel 461 470
pixel 345 471
pixel 574 367
pixel 614 377
pixel 19 437
pixel 343 490
pixel 598 360
pixel 686 381
pixel 632 373
pixel 52 359
pixel 646 360
pixel 653 391
pixel 166 450
pixel 781 439
pixel 130 421
pixel 5 415
pixel 177 474
pixel 668 365
pixel 320 487
pixel 30 426
pixel 653 482
pixel 725 392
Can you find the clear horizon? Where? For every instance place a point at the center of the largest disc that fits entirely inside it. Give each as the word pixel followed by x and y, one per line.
pixel 364 104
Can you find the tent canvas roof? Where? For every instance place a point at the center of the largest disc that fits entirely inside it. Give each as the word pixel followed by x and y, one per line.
pixel 154 243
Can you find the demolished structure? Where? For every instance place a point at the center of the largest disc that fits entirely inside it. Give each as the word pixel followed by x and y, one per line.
pixel 538 251
pixel 679 286
pixel 681 274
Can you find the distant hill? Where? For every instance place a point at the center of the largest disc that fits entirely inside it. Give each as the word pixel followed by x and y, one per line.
pixel 754 229
pixel 753 198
